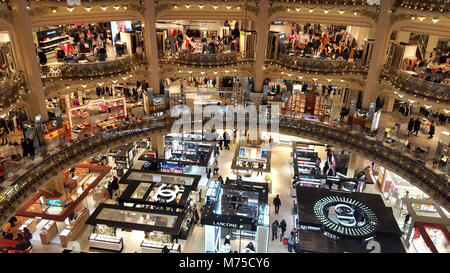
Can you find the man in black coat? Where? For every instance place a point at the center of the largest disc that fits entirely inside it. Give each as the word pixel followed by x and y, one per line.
pixel 410 126
pixel 277 203
pixel 417 125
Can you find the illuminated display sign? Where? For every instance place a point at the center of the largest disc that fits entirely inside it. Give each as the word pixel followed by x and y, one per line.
pixel 343 216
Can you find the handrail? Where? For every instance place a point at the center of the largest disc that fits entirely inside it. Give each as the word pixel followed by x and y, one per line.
pixel 10 89
pixel 93 69
pixel 429 5
pixel 318 65
pixel 326 2
pixel 435 185
pixel 207 59
pixel 414 85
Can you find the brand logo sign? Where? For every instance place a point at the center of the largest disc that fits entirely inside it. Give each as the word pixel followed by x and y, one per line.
pixel 168 194
pixel 343 216
pixel 225 224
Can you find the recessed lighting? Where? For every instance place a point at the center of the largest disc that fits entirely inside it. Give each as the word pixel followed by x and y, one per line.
pixel 435 20
pixel 54 10
pixel 202 72
pixel 125 7
pixel 413 18
pixel 215 72
pixel 70 9
pixel 289 75
pixel 288 9
pixel 190 72
pixel 104 8
pixel 226 71
pixel 329 80
pixel 341 11
pixel 200 6
pixel 88 9
pixel 215 7
pixel 116 7
pixel 355 13
pixel 297 9
pixel 175 7
pixel 228 7
pixel 179 71
pixel 300 77
pixel 342 80
pixel 187 6
pixel 238 7
pixel 314 79
pixel 326 11
pixel 421 18
pixel 310 10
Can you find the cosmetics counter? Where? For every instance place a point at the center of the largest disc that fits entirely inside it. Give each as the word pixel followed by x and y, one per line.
pixel 75 224
pixel 30 224
pixel 155 241
pixel 48 231
pixel 185 150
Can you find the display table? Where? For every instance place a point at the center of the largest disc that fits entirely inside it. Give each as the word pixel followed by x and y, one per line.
pixel 71 232
pixel 48 232
pixel 156 247
pixel 99 241
pixel 30 224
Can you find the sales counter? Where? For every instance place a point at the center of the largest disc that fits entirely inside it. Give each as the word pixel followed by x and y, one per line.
pixel 30 224
pixel 155 247
pixel 48 231
pixel 70 232
pixel 99 241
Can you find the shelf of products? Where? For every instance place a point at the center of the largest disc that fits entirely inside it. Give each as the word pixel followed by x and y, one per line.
pixel 30 224
pixel 101 241
pixel 48 231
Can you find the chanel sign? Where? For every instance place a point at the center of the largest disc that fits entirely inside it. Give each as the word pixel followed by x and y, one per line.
pixel 343 216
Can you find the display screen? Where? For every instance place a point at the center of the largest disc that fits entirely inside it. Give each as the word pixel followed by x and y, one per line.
pixel 263 153
pixel 119 26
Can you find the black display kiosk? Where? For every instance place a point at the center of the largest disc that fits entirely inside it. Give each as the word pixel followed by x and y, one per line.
pixel 336 222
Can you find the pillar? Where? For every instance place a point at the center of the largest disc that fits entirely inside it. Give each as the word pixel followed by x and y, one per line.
pixel 432 43
pixel 27 49
pixel 378 55
pixel 157 142
pixel 355 164
pixel 262 27
pixel 388 104
pixel 151 46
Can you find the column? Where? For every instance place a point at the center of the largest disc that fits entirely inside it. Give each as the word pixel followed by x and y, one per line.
pixel 355 164
pixel 378 54
pixel 151 46
pixel 389 104
pixel 262 30
pixel 27 49
pixel 432 43
pixel 157 142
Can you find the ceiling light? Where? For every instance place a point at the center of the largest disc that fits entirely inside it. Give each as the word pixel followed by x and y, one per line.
pixel 88 9
pixel 300 77
pixel 228 7
pixel 400 95
pixel 124 78
pixel 215 7
pixel 238 7
pixel 215 72
pixel 54 10
pixel 175 7
pixel 421 18
pixel 125 7
pixel 341 11
pixel 202 72
pixel 297 9
pixel 104 8
pixel 116 7
pixel 427 106
pixel 342 80
pixel 412 101
pixel 446 111
pixel 314 79
pixel 310 10
pixel 288 9
pixel 226 71
pixel 179 71
pixel 70 9
pixel 329 80
pixel 326 11
pixel 84 85
pixel 190 72
pixel 289 75
pixel 200 6
pixel 435 20
pixel 187 6
pixel 355 13
pixel 413 18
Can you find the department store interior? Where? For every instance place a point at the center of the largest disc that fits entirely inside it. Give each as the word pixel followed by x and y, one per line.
pixel 350 149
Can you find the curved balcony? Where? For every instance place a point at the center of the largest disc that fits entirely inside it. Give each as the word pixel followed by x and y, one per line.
pixel 429 5
pixel 10 89
pixel 328 2
pixel 93 69
pixel 325 66
pixel 436 185
pixel 416 86
pixel 210 60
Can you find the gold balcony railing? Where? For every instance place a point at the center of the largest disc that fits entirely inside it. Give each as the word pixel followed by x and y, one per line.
pixel 10 89
pixel 317 65
pixel 428 5
pixel 416 86
pixel 93 69
pixel 199 59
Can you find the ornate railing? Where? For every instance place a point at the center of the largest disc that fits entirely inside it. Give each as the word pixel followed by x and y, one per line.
pixel 436 185
pixel 318 65
pixel 416 86
pixel 10 89
pixel 199 59
pixel 93 69
pixel 428 5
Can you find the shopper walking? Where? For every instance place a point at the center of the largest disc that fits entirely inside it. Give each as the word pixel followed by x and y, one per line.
pixel 165 249
pixel 277 203
pixel 283 228
pixel 115 185
pixel 291 241
pixel 417 125
pixel 30 148
pixel 220 142
pixel 431 132
pixel 110 190
pixel 410 126
pixel 344 112
pixel 24 148
pixel 275 226
pixel 260 166
pixel 234 135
